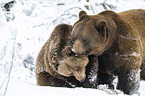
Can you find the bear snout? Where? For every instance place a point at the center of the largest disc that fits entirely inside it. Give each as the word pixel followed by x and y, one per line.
pixel 78 47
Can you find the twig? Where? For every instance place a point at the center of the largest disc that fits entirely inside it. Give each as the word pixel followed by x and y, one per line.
pixel 92 9
pixel 78 6
pixel 12 62
pixel 3 82
pixel 2 54
pixel 63 14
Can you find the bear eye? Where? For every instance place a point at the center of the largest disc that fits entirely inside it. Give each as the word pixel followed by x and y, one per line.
pixel 102 29
pixel 101 26
pixel 84 40
pixel 71 74
pixel 77 69
pixel 82 17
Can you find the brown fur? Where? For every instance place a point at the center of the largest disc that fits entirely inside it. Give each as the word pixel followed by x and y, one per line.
pixel 56 66
pixel 118 39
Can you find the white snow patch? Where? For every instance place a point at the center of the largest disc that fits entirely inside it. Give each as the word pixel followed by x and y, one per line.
pixel 70 84
pixel 134 75
pixel 134 54
pixel 93 78
pixel 61 61
pixel 126 55
pixel 73 50
pixel 130 38
pixel 23 88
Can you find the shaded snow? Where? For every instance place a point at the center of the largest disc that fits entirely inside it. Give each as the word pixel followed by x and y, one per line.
pixel 26 89
pixel 23 88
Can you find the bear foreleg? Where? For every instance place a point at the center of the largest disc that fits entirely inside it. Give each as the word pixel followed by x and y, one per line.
pixel 129 81
pixel 104 78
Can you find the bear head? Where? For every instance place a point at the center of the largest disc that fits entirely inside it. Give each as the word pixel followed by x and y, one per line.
pixel 66 63
pixel 73 66
pixel 92 34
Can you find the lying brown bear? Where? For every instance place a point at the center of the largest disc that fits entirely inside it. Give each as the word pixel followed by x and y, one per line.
pixel 118 39
pixel 56 66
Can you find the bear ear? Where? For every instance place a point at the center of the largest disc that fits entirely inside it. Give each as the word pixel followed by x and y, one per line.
pixel 82 14
pixel 101 28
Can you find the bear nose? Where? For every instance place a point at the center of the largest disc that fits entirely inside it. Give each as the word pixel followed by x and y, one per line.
pixel 82 80
pixel 78 47
pixel 69 51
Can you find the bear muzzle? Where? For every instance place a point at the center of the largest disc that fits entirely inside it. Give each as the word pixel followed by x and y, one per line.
pixel 78 47
pixel 79 77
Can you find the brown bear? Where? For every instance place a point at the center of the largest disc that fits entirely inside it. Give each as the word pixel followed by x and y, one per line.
pixel 118 39
pixel 57 66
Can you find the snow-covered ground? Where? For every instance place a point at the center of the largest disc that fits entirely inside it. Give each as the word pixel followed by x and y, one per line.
pixel 23 88
pixel 25 29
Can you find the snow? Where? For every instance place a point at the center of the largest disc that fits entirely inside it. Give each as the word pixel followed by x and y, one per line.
pixel 27 27
pixel 26 89
pixel 129 38
pixel 127 55
pixel 134 54
pixel 23 88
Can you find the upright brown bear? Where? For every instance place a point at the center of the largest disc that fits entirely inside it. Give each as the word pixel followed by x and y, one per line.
pixel 56 66
pixel 118 39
